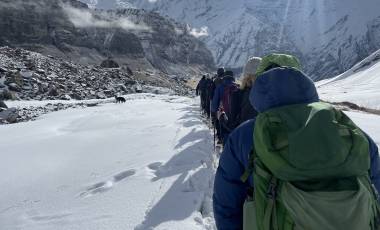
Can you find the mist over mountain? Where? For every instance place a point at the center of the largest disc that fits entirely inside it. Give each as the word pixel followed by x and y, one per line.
pixel 328 36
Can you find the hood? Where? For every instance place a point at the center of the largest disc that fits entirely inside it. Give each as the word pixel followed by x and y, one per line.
pixel 282 86
pixel 278 60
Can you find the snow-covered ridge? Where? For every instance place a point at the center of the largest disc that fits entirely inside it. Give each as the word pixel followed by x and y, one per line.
pixel 359 85
pixel 328 36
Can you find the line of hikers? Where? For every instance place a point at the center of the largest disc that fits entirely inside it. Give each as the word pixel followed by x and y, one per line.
pixel 224 101
pixel 297 163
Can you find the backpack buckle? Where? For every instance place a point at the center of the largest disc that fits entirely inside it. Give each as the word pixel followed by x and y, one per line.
pixel 271 192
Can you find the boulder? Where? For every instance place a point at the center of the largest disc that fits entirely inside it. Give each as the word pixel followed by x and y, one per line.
pixel 109 63
pixel 3 70
pixel 53 91
pixel 65 97
pixel 9 115
pixel 76 96
pixel 14 77
pixel 3 105
pixel 14 87
pixel 138 88
pixel 5 94
pixel 100 95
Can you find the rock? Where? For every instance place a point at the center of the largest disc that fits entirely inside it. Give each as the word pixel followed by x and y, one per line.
pixel 65 97
pixel 7 95
pixel 130 82
pixel 100 95
pixel 40 71
pixel 138 88
pixel 129 71
pixel 122 87
pixel 43 88
pixel 108 93
pixel 76 96
pixel 3 70
pixel 26 73
pixel 53 91
pixel 14 77
pixel 109 63
pixel 10 115
pixel 3 105
pixel 14 87
pixel 27 87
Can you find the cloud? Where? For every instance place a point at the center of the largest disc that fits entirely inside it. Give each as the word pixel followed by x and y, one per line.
pixel 202 32
pixel 85 19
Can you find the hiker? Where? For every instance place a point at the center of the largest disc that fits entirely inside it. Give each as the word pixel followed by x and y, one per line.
pixel 208 86
pixel 241 108
pixel 216 82
pixel 324 156
pixel 222 102
pixel 249 75
pixel 200 91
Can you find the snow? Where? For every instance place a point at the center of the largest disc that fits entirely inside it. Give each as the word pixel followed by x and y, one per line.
pixel 359 85
pixel 144 164
pixel 239 29
pixel 369 123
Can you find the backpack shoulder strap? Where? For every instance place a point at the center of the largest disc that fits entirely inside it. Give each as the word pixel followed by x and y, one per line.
pixel 251 166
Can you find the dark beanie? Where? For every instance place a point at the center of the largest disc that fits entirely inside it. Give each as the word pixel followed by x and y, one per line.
pixel 220 72
pixel 229 73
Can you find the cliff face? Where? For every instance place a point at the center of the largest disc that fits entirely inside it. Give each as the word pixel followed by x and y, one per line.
pixel 135 38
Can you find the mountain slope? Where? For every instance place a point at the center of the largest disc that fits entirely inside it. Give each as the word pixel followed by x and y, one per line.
pixel 359 85
pixel 328 36
pixel 69 29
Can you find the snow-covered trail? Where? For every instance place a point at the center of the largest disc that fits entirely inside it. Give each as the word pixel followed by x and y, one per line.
pixel 145 164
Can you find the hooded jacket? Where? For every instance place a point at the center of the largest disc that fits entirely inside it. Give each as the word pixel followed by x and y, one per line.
pixel 274 88
pixel 219 91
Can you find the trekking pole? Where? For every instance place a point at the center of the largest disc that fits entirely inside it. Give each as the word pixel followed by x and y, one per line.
pixel 214 140
pixel 210 120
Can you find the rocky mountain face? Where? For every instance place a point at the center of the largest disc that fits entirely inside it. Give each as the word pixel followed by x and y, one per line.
pixel 134 38
pixel 328 36
pixel 28 75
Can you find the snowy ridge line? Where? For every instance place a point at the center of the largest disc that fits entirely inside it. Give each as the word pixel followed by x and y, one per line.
pixel 346 105
pixel 363 65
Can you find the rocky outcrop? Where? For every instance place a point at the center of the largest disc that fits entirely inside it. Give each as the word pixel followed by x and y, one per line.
pixel 49 78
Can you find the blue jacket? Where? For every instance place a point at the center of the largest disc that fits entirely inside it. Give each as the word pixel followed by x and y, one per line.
pixel 218 95
pixel 278 87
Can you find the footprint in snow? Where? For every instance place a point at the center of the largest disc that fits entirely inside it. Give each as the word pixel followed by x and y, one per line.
pixel 155 169
pixel 104 186
pixel 155 166
pixel 121 176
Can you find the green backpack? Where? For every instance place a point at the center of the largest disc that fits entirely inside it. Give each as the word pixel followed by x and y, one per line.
pixel 310 168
